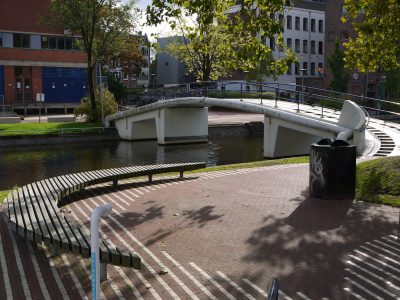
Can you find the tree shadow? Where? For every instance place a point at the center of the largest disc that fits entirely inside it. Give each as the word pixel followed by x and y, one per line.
pixel 306 250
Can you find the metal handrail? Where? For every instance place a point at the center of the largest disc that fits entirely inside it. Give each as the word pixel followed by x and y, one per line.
pixel 273 290
pixel 259 88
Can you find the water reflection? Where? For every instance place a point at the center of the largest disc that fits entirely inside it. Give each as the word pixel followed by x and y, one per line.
pixel 19 166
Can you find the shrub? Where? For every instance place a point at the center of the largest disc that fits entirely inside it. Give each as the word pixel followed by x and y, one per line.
pixel 84 108
pixel 378 181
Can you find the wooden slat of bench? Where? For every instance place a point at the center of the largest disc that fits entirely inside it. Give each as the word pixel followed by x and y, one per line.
pixel 72 187
pixel 81 242
pixel 48 216
pixel 30 231
pixel 75 185
pixel 48 199
pixel 105 255
pixel 21 223
pixel 73 244
pixel 78 181
pixel 65 189
pixel 36 215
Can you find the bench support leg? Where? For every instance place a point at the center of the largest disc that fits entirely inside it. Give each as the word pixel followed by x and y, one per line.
pixel 181 174
pixel 103 271
pixel 150 177
pixel 115 183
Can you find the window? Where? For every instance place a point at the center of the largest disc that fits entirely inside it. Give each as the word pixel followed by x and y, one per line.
pixel 320 47
pixel 297 68
pixel 289 22
pixel 1 39
pixel 305 46
pixel 320 26
pixel 52 42
pixel 44 42
pixel 297 23
pixel 305 24
pixel 297 45
pixel 289 70
pixel 312 47
pixel 321 69
pixel 69 42
pixel 60 43
pixel 18 71
pixel 289 43
pixel 312 25
pixel 312 69
pixel 272 43
pixel 281 19
pixel 21 40
pixel 305 68
pixel 126 76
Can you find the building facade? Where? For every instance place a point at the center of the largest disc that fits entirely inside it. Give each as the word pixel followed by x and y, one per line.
pixel 359 84
pixel 143 79
pixel 170 71
pixel 304 33
pixel 38 59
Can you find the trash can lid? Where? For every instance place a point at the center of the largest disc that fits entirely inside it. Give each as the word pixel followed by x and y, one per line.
pixel 325 142
pixel 340 143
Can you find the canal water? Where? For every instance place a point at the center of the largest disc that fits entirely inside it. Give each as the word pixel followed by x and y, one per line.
pixel 22 165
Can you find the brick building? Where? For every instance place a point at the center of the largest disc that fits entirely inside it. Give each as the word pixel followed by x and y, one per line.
pixel 35 58
pixel 359 84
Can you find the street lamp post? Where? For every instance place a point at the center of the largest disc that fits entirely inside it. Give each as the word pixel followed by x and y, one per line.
pixel 302 89
pixel 153 76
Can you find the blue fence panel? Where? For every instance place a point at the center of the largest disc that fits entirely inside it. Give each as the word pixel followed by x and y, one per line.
pixel 64 85
pixel 1 81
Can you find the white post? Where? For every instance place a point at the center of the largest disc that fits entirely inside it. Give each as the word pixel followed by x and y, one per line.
pixel 98 212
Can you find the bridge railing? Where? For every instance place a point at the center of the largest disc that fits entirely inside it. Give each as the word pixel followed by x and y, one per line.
pixel 379 108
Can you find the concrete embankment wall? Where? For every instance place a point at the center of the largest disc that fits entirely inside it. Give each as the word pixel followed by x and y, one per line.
pixel 213 130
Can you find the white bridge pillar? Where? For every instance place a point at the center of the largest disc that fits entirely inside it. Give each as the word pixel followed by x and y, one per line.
pixel 283 138
pixel 167 125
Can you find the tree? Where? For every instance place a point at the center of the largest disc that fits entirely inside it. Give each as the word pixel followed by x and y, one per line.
pixel 104 27
pixel 218 39
pixel 340 75
pixel 377 41
pixel 116 87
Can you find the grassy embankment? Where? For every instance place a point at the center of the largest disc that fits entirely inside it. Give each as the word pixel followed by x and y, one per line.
pixel 48 128
pixel 378 181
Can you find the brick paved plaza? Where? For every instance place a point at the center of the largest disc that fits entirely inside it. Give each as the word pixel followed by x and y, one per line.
pixel 221 235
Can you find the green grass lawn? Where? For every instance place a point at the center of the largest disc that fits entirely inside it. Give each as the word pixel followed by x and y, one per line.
pixel 47 128
pixel 3 195
pixel 378 181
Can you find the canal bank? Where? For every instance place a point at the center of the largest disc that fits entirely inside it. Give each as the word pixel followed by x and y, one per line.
pixel 215 129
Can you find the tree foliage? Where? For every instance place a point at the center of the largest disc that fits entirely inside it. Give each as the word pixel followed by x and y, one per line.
pixel 219 36
pixel 104 27
pixel 110 106
pixel 377 41
pixel 337 65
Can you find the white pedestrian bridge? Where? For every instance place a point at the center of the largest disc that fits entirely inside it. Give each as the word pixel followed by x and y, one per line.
pixel 288 129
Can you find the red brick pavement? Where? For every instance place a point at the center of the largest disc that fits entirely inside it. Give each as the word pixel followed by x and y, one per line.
pixel 247 226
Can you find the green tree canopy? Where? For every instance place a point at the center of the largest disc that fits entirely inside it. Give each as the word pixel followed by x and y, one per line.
pixel 377 41
pixel 220 36
pixel 340 75
pixel 104 27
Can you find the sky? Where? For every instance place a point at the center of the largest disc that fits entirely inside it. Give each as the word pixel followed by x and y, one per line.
pixel 161 30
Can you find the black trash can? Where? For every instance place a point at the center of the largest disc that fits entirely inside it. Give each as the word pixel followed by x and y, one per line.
pixel 332 170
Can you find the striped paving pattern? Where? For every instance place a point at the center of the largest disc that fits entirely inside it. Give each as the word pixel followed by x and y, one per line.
pixel 30 272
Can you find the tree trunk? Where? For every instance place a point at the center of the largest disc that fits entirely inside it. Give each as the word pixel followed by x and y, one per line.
pixel 92 94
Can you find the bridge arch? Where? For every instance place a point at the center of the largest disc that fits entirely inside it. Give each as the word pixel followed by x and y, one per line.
pixel 185 120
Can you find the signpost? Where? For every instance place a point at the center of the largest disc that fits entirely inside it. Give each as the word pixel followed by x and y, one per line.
pixel 98 212
pixel 40 99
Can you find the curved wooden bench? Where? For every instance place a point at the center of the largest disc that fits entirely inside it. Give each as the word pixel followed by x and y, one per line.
pixel 33 210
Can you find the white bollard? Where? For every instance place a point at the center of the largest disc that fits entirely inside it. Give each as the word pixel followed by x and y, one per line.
pixel 98 212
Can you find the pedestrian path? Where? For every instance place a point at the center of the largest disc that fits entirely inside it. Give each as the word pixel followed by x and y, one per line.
pixel 201 239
